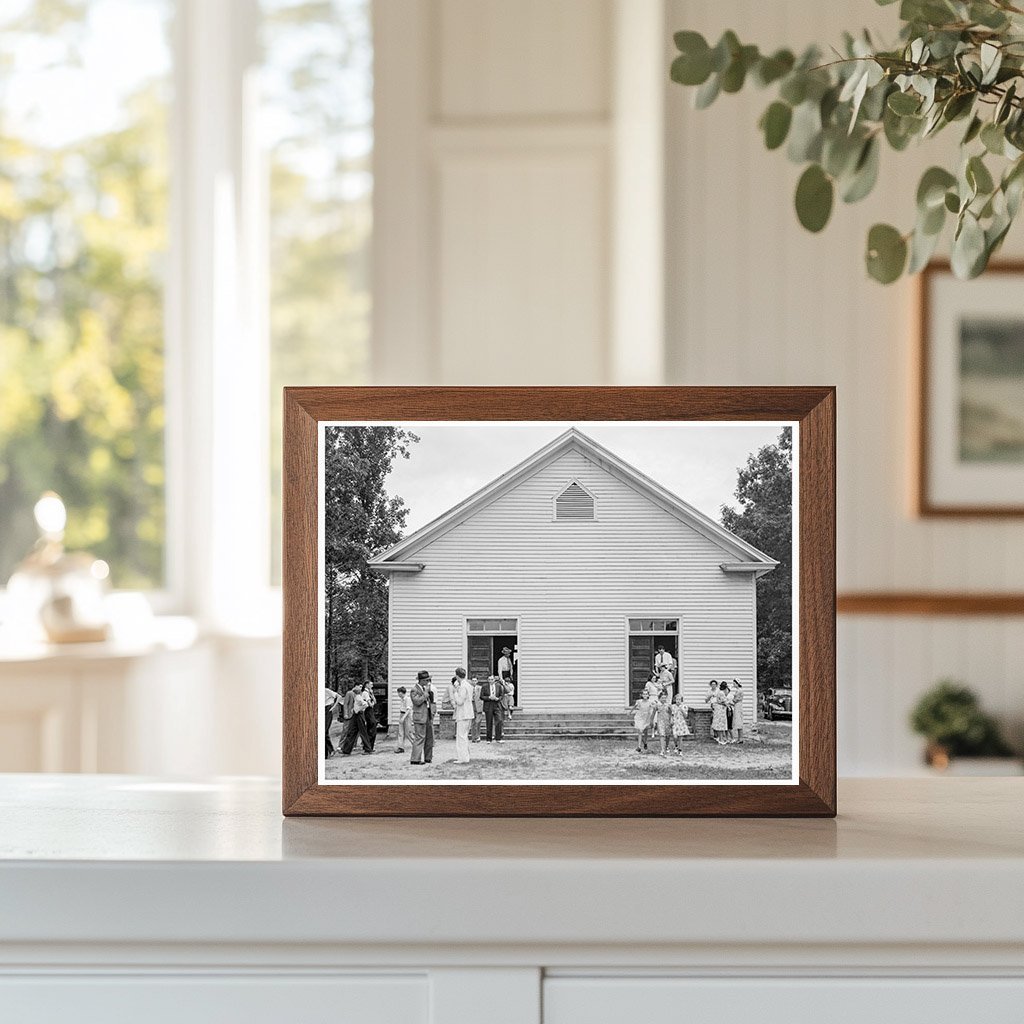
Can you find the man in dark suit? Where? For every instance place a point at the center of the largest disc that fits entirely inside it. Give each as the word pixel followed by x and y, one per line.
pixel 422 720
pixel 355 722
pixel 491 693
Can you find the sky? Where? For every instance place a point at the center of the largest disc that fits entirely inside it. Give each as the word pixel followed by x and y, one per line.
pixel 696 461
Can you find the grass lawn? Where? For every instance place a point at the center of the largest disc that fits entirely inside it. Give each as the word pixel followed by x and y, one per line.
pixel 765 755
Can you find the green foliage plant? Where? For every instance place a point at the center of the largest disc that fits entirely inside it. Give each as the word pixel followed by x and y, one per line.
pixel 950 717
pixel 957 62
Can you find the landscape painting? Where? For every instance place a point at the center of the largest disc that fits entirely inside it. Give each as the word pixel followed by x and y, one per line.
pixel 992 389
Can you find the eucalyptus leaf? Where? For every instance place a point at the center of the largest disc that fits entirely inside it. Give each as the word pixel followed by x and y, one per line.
pixel 865 173
pixel 968 247
pixel 904 103
pixel 993 138
pixel 707 93
pixel 978 176
pixel 931 190
pixel 973 130
pixel 814 195
pixel 805 133
pixel 771 69
pixel 886 253
pixel 694 67
pixel 922 247
pixel 775 124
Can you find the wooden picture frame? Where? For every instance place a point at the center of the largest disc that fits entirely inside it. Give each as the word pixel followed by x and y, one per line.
pixel 812 794
pixel 926 502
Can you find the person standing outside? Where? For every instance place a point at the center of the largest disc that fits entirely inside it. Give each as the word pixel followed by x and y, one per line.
pixel 719 719
pixel 404 720
pixel 478 712
pixel 462 702
pixel 355 720
pixel 505 677
pixel 737 711
pixel 492 693
pixel 330 699
pixel 665 668
pixel 422 726
pixel 370 713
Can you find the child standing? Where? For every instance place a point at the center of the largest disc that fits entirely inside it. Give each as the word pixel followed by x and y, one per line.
pixel 663 722
pixel 680 723
pixel 404 720
pixel 643 715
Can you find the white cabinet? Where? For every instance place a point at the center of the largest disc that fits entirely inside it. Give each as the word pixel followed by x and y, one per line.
pixel 828 1000
pixel 131 898
pixel 202 999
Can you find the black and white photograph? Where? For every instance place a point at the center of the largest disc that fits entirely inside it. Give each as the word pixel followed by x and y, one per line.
pixel 580 602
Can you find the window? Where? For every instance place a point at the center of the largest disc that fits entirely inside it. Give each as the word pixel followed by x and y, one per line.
pixel 83 240
pixel 654 625
pixel 317 122
pixel 491 625
pixel 248 237
pixel 574 503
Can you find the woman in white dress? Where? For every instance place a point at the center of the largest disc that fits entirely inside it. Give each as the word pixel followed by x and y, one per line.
pixel 719 716
pixel 736 696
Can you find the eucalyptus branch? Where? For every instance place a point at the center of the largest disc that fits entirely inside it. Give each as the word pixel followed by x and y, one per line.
pixel 955 61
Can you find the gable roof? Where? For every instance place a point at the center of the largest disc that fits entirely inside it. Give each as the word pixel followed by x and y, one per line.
pixel 744 557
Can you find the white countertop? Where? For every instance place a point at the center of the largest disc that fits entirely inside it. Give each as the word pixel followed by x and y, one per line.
pixel 122 859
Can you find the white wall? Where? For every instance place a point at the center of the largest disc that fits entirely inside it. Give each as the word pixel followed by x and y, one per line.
pixel 521 127
pixel 754 299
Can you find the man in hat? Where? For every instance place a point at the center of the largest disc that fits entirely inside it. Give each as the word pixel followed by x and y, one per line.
pixel 422 713
pixel 505 677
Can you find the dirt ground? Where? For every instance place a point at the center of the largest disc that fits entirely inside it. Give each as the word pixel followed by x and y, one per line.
pixel 765 754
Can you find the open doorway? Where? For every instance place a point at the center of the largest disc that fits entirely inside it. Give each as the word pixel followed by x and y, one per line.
pixel 486 642
pixel 645 637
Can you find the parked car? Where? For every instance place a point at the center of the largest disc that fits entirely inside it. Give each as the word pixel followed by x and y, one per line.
pixel 777 703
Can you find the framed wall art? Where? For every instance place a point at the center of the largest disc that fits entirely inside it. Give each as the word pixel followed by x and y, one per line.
pixel 970 445
pixel 559 601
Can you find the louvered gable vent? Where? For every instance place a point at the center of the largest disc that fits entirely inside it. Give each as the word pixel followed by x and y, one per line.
pixel 574 503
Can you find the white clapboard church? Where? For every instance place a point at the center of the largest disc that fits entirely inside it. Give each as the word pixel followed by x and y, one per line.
pixel 581 565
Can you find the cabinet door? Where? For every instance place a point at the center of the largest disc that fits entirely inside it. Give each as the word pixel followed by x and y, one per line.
pixel 784 1001
pixel 205 999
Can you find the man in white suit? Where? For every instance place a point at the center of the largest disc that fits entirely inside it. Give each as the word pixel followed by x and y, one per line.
pixel 462 700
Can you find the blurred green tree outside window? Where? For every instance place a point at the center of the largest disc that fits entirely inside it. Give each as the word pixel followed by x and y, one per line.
pixel 317 118
pixel 83 237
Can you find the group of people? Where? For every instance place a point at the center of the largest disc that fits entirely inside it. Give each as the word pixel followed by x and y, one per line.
pixel 475 706
pixel 726 700
pixel 662 717
pixel 358 710
pixel 657 713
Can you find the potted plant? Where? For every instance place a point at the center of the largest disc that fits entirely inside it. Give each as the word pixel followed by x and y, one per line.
pixel 951 719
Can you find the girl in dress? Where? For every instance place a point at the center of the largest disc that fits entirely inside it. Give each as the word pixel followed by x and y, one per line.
pixel 643 715
pixel 737 711
pixel 719 717
pixel 663 723
pixel 680 725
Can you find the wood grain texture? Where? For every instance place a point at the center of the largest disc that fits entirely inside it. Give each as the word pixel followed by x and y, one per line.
pixel 813 408
pixel 924 505
pixel 924 603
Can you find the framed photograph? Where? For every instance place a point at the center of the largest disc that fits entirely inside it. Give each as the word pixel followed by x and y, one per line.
pixel 559 601
pixel 970 450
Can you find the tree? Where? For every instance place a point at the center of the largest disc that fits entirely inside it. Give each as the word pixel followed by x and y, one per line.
pixel 360 520
pixel 83 218
pixel 765 519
